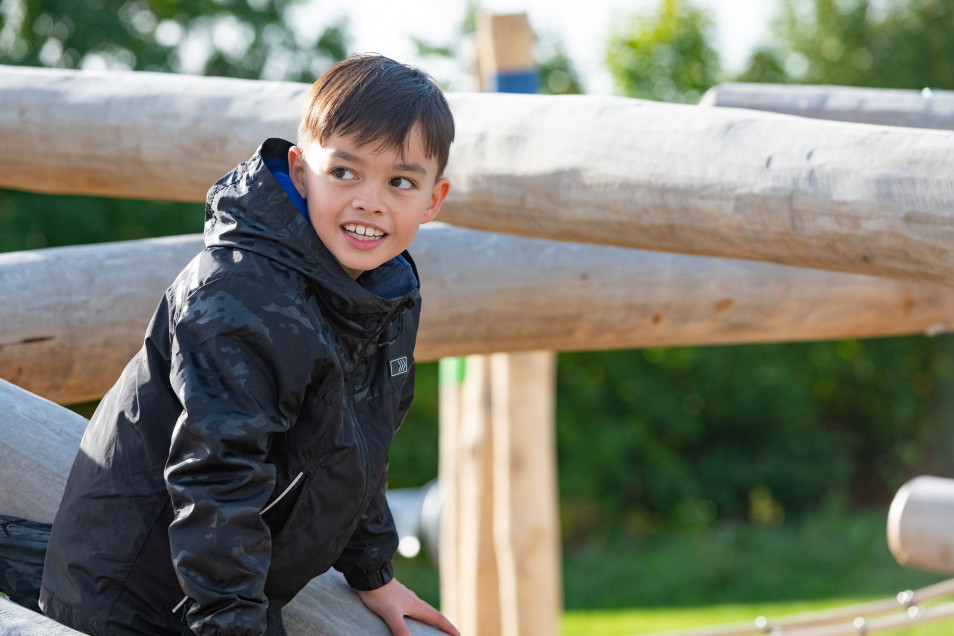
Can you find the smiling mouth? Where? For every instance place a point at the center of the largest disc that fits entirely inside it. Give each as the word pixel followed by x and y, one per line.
pixel 363 232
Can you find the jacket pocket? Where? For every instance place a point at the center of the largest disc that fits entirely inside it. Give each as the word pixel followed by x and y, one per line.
pixel 277 513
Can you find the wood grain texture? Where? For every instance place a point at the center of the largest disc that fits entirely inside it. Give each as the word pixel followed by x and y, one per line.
pixel 19 621
pixel 73 316
pixel 926 108
pixel 725 182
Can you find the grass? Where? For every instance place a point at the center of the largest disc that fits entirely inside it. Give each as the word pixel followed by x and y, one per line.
pixel 729 573
pixel 645 621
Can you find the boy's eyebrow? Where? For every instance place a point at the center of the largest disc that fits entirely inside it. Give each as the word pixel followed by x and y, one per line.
pixel 344 155
pixel 412 167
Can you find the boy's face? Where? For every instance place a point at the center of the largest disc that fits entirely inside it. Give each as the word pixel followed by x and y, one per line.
pixel 366 204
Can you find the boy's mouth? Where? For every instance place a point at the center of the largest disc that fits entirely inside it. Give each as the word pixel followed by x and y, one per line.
pixel 363 232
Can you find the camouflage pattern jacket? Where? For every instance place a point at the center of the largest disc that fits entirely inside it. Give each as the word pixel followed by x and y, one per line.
pixel 243 451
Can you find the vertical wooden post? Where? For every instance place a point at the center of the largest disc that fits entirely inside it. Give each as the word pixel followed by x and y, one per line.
pixel 500 546
pixel 526 519
pixel 468 565
pixel 505 61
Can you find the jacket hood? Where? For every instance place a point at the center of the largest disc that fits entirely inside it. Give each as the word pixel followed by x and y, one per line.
pixel 249 210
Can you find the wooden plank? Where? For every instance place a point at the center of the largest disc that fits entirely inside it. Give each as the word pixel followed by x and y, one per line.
pixel 60 335
pixel 19 621
pixel 926 108
pixel 38 441
pixel 709 181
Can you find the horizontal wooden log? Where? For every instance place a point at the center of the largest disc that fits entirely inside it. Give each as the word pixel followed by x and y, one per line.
pixel 926 108
pixel 710 181
pixel 19 621
pixel 38 441
pixel 919 524
pixel 132 134
pixel 73 316
pixel 594 169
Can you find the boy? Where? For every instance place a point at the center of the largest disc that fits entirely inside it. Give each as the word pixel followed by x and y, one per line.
pixel 243 451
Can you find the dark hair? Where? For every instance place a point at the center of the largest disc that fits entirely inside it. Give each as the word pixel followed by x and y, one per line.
pixel 379 100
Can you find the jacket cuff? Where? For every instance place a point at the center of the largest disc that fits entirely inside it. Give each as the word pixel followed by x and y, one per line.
pixel 365 581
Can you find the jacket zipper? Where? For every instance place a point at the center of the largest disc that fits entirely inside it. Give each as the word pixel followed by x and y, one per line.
pixel 285 492
pixel 363 446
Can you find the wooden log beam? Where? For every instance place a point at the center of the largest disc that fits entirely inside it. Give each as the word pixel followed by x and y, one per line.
pixel 926 108
pixel 19 621
pixel 919 524
pixel 72 317
pixel 709 181
pixel 615 171
pixel 38 441
pixel 132 134
pixel 62 334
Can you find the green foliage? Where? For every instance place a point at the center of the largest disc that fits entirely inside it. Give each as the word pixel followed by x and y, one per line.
pixel 827 554
pixel 891 44
pixel 32 221
pixel 234 38
pixel 736 571
pixel 664 55
pixel 681 437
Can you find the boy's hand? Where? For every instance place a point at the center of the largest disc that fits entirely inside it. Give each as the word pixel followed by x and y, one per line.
pixel 392 602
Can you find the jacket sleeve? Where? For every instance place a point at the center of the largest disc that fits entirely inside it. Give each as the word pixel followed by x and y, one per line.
pixel 236 369
pixel 366 560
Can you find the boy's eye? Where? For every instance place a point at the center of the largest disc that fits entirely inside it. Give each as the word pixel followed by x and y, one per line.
pixel 342 173
pixel 402 183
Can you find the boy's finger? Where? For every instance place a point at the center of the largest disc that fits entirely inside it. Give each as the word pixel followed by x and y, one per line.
pixel 427 614
pixel 397 625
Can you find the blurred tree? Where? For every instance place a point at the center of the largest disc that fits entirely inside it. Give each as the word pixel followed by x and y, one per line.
pixel 664 54
pixel 681 437
pixel 889 44
pixel 235 38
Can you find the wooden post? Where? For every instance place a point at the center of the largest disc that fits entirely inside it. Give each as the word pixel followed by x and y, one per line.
pixel 500 555
pixel 468 563
pixel 526 517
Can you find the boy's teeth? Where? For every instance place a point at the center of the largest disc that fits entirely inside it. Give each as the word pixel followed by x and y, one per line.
pixel 363 230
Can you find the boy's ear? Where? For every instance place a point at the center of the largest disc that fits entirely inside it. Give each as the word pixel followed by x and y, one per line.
pixel 441 188
pixel 297 169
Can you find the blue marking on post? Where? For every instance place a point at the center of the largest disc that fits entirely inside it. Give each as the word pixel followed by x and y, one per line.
pixel 513 81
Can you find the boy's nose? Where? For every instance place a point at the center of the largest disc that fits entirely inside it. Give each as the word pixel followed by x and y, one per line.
pixel 368 198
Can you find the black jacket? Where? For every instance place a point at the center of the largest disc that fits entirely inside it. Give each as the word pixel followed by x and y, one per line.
pixel 243 451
